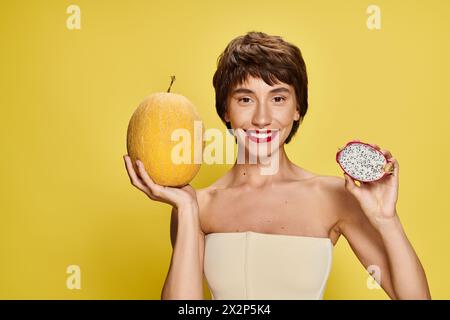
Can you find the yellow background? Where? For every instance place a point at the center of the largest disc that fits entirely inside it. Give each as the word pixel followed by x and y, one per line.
pixel 67 95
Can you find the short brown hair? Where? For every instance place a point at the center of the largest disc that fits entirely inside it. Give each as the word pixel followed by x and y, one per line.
pixel 261 56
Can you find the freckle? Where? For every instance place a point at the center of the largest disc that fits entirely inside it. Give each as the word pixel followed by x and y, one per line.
pixel 282 227
pixel 244 173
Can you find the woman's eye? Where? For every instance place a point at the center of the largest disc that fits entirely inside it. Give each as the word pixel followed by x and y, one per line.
pixel 281 99
pixel 245 99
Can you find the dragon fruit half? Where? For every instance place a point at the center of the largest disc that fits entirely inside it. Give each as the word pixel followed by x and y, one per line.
pixel 363 162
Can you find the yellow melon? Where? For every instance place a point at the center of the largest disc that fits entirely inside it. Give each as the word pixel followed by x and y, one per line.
pixel 149 137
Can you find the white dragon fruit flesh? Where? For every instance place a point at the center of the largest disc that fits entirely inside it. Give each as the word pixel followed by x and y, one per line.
pixel 363 162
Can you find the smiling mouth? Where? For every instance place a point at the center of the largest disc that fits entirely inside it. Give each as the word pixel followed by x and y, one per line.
pixel 261 136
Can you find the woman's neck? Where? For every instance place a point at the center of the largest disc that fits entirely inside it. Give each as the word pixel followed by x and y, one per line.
pixel 260 175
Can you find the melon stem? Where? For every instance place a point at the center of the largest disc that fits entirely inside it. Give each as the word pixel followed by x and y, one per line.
pixel 173 79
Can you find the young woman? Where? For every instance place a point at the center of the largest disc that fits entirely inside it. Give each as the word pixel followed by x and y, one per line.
pixel 271 236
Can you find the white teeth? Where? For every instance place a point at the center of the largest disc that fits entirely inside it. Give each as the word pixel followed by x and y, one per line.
pixel 260 135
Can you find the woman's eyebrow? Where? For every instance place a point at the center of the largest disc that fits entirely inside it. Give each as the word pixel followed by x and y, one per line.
pixel 276 90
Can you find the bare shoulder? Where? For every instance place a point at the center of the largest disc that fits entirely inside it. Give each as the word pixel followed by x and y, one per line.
pixel 344 204
pixel 317 181
pixel 326 196
pixel 332 185
pixel 202 195
pixel 204 198
pixel 205 195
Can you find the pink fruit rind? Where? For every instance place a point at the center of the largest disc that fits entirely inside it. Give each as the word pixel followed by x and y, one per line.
pixel 370 146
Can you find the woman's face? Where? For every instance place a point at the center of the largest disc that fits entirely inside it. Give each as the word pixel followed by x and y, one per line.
pixel 271 110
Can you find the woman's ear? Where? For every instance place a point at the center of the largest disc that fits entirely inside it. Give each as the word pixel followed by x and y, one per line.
pixel 226 117
pixel 297 115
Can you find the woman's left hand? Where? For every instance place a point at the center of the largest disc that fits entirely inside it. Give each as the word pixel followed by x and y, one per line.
pixel 377 199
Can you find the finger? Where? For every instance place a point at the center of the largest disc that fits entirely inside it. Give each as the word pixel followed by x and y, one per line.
pixel 135 181
pixel 155 189
pixel 386 153
pixel 396 166
pixel 350 185
pixel 130 170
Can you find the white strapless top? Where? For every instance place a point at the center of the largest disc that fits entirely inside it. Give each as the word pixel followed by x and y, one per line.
pixel 262 266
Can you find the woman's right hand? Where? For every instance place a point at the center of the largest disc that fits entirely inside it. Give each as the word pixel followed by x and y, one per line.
pixel 176 197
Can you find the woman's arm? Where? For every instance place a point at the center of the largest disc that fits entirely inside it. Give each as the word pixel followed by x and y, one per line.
pixel 387 248
pixel 408 275
pixel 185 277
pixel 371 225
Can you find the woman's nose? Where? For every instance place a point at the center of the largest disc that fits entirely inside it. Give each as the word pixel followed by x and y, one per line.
pixel 262 117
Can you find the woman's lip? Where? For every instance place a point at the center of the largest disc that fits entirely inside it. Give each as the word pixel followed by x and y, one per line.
pixel 270 136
